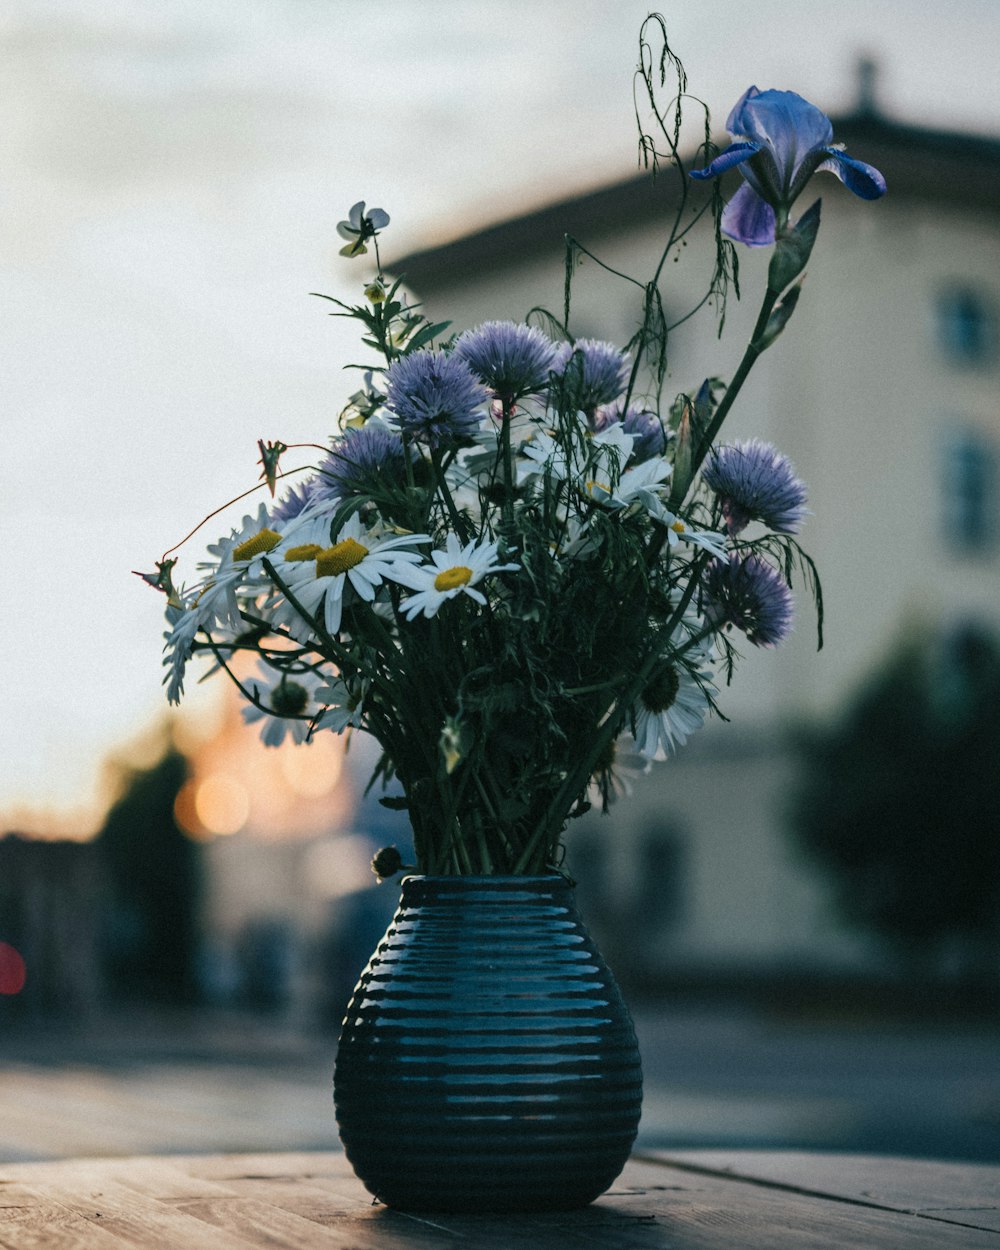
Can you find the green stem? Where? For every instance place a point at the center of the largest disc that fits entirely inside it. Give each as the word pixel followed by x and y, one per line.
pixel 449 502
pixel 735 386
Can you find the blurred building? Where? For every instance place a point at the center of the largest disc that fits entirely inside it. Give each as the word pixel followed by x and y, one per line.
pixel 885 393
pixel 50 924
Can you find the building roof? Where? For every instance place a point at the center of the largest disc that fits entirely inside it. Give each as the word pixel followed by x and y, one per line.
pixel 918 164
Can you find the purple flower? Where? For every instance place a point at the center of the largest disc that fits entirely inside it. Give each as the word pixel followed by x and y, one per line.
pixel 362 460
pixel 592 373
pixel 360 226
pixel 751 595
pixel 434 397
pixel 512 359
pixel 297 500
pixel 646 428
pixel 781 140
pixel 755 482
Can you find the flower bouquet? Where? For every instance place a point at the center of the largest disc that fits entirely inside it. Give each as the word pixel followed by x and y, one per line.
pixel 513 558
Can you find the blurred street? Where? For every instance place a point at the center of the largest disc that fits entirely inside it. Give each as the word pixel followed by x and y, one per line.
pixel 715 1077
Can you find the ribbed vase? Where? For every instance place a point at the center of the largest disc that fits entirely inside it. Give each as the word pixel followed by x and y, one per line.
pixel 487 1060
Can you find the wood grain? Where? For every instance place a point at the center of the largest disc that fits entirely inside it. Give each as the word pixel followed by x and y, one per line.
pixel 699 1200
pixel 961 1193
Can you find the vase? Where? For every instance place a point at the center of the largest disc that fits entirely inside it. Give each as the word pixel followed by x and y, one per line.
pixel 487 1060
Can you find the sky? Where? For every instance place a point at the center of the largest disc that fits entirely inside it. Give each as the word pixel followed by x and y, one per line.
pixel 172 176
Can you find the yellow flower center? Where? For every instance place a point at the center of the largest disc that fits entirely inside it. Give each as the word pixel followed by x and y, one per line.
pixel 307 551
pixel 594 485
pixel 340 557
pixel 259 545
pixel 678 527
pixel 451 579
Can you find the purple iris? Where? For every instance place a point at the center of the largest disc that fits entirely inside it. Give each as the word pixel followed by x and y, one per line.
pixel 781 140
pixel 751 595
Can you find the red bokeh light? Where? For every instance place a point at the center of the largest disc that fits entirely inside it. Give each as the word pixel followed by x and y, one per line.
pixel 13 972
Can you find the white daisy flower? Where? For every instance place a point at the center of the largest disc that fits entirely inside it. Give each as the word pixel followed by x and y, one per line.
pixel 238 560
pixel 671 708
pixel 184 623
pixel 291 700
pixel 597 460
pixel 453 571
pixel 343 705
pixel 637 485
pixel 539 455
pixel 679 531
pixel 360 560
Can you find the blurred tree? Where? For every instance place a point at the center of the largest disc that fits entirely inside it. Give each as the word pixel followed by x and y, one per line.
pixel 899 801
pixel 154 882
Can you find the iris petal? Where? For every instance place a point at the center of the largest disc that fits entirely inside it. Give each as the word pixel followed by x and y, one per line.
pixel 864 180
pixel 735 154
pixel 748 218
pixel 790 126
pixel 734 122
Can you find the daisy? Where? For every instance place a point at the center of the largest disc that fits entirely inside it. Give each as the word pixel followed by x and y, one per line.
pixel 184 624
pixel 670 709
pixel 238 560
pixel 360 560
pixel 614 774
pixel 648 431
pixel 290 703
pixel 343 705
pixel 595 463
pixel 453 571
pixel 679 531
pixel 638 485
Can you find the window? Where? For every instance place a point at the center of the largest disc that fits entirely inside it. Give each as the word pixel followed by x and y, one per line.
pixel 967 326
pixel 969 486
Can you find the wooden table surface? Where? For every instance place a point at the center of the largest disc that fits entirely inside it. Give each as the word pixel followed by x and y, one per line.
pixel 681 1200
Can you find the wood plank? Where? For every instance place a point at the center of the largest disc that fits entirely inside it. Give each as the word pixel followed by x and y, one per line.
pixel 89 1196
pixel 962 1193
pixel 308 1201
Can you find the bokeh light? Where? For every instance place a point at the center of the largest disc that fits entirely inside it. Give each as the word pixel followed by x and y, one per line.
pixel 215 806
pixel 13 970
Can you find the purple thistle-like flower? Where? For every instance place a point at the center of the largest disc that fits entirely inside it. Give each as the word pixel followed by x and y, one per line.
pixel 592 372
pixel 647 430
pixel 751 595
pixel 434 397
pixel 512 359
pixel 297 500
pixel 362 460
pixel 755 482
pixel 781 140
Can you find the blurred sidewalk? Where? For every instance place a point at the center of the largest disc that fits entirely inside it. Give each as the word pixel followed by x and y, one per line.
pixel 174 1083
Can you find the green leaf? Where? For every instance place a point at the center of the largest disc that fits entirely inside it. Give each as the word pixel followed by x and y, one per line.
pixel 779 318
pixel 425 335
pixel 395 802
pixel 792 250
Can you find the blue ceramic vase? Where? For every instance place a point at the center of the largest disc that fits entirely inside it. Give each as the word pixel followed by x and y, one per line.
pixel 487 1061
